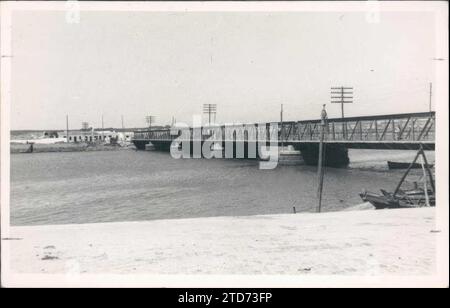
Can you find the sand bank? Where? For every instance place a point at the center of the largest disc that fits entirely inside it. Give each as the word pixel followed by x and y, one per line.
pixel 367 242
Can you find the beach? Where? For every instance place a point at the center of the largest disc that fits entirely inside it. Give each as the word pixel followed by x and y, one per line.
pixel 354 242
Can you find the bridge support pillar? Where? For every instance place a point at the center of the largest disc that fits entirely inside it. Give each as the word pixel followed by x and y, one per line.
pixel 335 155
pixel 241 149
pixel 140 144
pixel 161 145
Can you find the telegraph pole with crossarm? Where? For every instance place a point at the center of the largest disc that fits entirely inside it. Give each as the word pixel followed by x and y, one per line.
pixel 150 120
pixel 342 95
pixel 210 109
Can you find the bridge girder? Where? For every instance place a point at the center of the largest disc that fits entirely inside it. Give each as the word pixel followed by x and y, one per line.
pixel 394 131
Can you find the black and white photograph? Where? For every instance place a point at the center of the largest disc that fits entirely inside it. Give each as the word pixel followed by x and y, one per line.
pixel 224 144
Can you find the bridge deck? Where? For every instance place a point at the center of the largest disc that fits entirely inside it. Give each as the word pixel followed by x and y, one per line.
pixel 394 131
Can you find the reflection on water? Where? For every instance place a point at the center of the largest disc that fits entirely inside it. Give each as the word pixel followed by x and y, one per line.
pixel 86 187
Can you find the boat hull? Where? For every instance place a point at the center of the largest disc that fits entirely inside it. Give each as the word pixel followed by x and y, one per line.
pixel 402 165
pixel 405 200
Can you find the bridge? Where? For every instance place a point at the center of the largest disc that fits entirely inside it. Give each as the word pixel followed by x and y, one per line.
pixel 393 131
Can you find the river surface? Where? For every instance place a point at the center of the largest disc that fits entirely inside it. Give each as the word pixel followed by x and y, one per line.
pixel 127 185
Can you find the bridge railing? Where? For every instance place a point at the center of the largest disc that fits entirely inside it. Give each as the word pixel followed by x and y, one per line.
pixel 395 128
pixel 413 127
pixel 149 134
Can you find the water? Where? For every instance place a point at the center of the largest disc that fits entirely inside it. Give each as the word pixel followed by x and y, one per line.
pixel 126 185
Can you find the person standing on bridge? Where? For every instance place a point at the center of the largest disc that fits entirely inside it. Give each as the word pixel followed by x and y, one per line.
pixel 324 118
pixel 323 115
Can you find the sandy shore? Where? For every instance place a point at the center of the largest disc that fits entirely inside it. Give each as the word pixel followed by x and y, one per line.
pixel 365 242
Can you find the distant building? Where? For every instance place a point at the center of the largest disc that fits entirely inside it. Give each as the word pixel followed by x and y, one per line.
pixel 97 136
pixel 51 134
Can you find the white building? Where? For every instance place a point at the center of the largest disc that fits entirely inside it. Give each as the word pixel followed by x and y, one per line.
pixel 97 136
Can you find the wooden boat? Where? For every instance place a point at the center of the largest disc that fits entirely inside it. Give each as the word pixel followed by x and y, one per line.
pixel 403 199
pixel 415 197
pixel 403 165
pixel 379 201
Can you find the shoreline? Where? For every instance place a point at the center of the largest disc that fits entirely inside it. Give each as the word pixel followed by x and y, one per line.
pixel 21 148
pixel 364 242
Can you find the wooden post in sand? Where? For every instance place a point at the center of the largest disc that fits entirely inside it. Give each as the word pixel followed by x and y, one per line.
pixel 425 186
pixel 407 171
pixel 430 175
pixel 320 170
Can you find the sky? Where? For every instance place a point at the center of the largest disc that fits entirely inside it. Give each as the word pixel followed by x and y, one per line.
pixel 168 64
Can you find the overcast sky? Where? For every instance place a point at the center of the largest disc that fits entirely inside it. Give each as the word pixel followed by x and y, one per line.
pixel 169 64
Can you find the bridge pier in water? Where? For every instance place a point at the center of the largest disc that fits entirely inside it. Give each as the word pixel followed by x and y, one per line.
pixel 140 144
pixel 247 150
pixel 336 155
pixel 161 145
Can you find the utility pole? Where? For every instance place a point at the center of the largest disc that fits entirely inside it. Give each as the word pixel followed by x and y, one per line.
pixel 320 170
pixel 431 93
pixel 103 138
pixel 210 109
pixel 282 129
pixel 67 127
pixel 342 95
pixel 123 129
pixel 150 119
